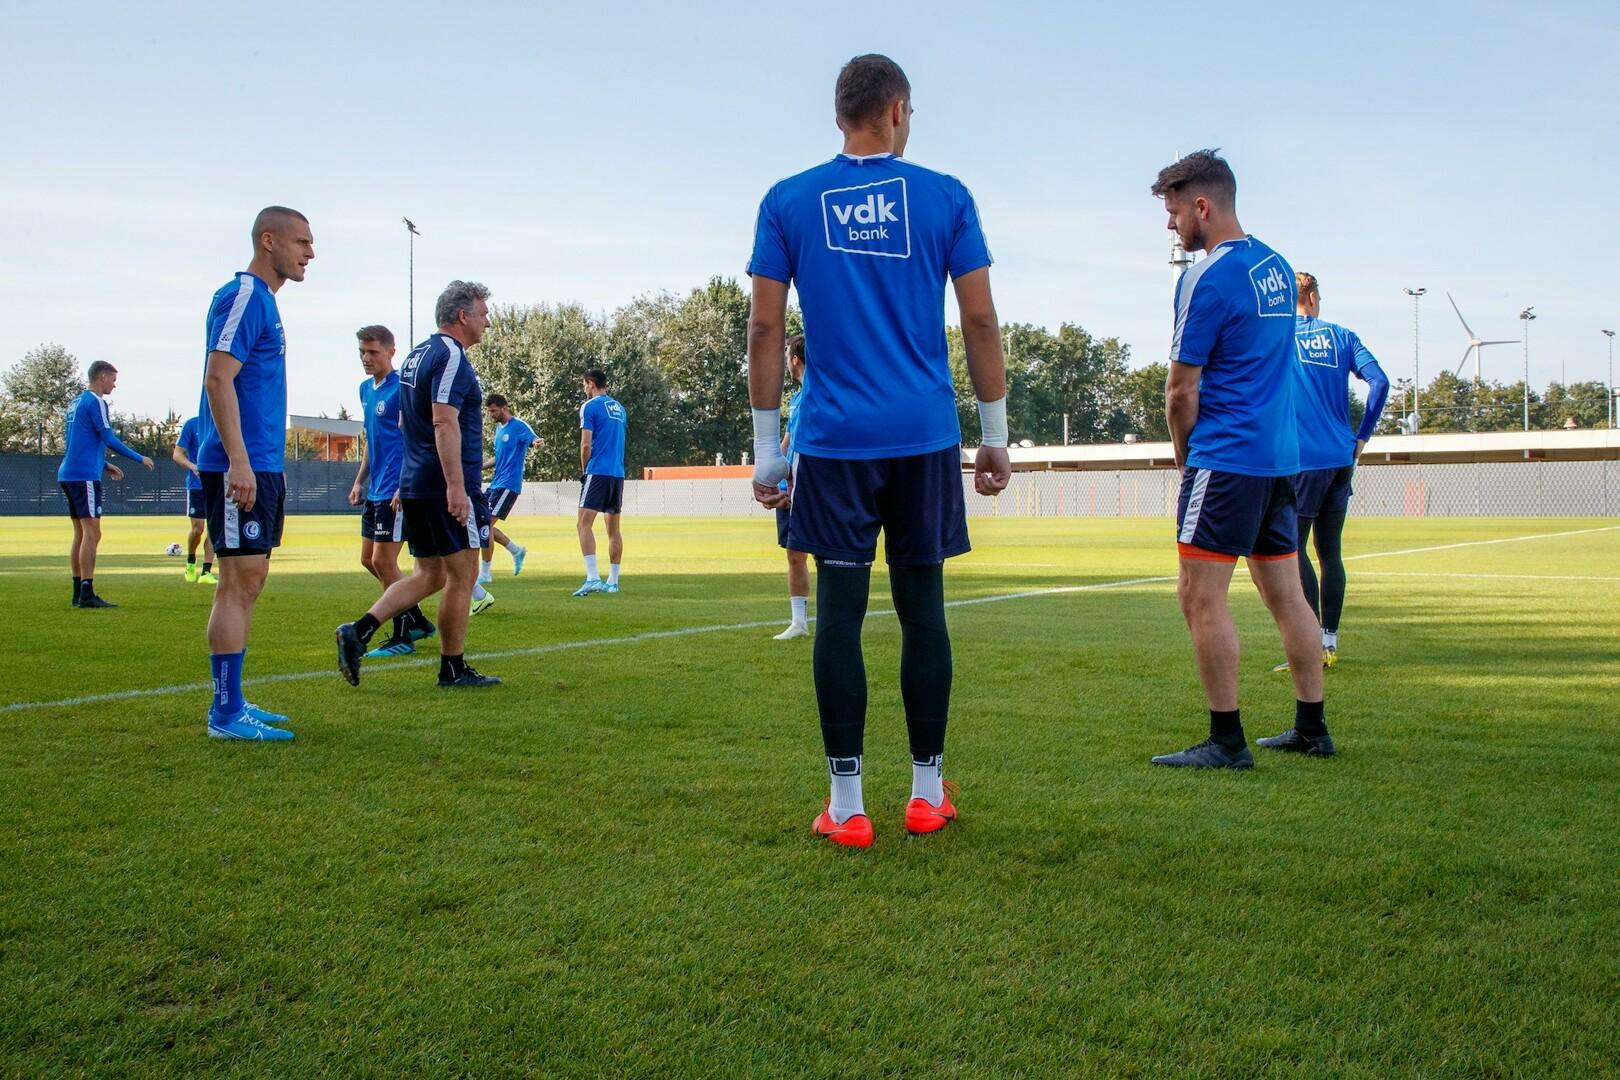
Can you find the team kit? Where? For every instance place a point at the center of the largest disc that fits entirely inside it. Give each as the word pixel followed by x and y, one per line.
pixel 1257 400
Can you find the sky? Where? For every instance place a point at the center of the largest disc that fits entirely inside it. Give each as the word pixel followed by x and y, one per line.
pixel 594 153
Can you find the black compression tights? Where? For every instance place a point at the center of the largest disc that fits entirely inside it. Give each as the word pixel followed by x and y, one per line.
pixel 1328 602
pixel 925 655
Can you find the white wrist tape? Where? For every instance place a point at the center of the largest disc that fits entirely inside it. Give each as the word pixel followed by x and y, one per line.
pixel 770 467
pixel 993 423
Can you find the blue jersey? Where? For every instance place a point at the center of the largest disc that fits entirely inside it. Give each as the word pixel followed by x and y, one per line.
pixel 88 437
pixel 190 440
pixel 792 430
pixel 512 442
pixel 869 242
pixel 438 372
pixel 243 320
pixel 385 442
pixel 1235 319
pixel 604 418
pixel 1328 355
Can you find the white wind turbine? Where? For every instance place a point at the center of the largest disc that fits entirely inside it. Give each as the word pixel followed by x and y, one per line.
pixel 1475 343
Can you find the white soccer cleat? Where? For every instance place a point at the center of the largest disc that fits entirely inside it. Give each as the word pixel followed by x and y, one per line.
pixel 796 630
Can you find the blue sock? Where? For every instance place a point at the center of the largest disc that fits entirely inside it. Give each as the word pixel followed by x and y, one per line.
pixel 227 669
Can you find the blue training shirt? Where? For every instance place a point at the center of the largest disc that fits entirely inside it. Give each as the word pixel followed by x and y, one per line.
pixel 438 372
pixel 869 243
pixel 1235 319
pixel 792 430
pixel 1328 355
pixel 385 441
pixel 243 320
pixel 89 435
pixel 190 440
pixel 512 442
pixel 604 418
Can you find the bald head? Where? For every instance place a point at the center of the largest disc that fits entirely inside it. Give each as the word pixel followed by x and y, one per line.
pixel 276 219
pixel 282 244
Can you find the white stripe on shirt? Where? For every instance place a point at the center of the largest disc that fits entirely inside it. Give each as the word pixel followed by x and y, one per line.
pixel 1184 301
pixel 447 377
pixel 227 333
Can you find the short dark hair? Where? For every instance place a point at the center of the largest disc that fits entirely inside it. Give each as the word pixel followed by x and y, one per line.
pixel 495 399
pixel 98 369
pixel 274 219
pixel 378 333
pixel 597 378
pixel 866 86
pixel 795 346
pixel 1203 172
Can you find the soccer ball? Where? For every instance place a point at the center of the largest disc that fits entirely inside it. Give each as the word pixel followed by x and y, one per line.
pixel 172 549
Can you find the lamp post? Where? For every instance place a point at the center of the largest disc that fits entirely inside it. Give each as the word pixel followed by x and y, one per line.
pixel 410 336
pixel 1610 335
pixel 1526 315
pixel 1417 380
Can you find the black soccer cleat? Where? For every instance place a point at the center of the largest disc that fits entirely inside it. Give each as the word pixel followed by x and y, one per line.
pixel 420 631
pixel 93 600
pixel 469 677
pixel 351 650
pixel 1295 742
pixel 1208 754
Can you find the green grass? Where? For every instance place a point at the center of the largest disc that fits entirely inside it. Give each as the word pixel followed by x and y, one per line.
pixel 604 867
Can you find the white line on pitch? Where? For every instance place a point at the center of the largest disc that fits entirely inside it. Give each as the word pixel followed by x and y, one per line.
pixel 1504 577
pixel 1481 543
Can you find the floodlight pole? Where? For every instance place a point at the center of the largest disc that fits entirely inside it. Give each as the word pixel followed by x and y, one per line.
pixel 1527 314
pixel 1417 380
pixel 410 336
pixel 1610 335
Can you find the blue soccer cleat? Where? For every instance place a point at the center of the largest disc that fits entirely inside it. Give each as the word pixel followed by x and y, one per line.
pixel 391 647
pixel 517 560
pixel 243 728
pixel 264 716
pixel 592 585
pixel 610 587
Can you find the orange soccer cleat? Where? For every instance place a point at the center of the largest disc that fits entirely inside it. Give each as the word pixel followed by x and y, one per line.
pixel 855 831
pixel 924 817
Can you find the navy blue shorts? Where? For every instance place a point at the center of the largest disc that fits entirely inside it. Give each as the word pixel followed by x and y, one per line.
pixel 782 517
pixel 194 503
pixel 381 524
pixel 839 506
pixel 602 493
pixel 1324 491
pixel 83 496
pixel 1222 516
pixel 500 501
pixel 433 533
pixel 233 531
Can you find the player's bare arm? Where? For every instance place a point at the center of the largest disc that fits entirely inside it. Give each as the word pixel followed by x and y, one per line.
pixel 180 459
pixel 447 441
pixel 219 382
pixel 1181 406
pixel 357 493
pixel 767 372
pixel 584 450
pixel 987 370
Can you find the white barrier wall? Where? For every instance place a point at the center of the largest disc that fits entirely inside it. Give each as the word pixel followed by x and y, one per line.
pixel 1486 489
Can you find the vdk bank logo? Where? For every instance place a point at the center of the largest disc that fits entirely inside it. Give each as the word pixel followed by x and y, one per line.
pixel 869 219
pixel 1272 288
pixel 1318 347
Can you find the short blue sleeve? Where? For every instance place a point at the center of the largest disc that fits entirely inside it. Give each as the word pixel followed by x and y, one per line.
pixel 234 327
pixel 969 249
pixel 1199 315
pixel 770 258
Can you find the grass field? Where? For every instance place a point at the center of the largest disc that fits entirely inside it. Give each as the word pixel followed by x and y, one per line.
pixel 604 866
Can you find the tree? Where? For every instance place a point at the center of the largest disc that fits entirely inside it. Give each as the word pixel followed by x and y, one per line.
pixel 702 352
pixel 535 356
pixel 1139 395
pixel 35 396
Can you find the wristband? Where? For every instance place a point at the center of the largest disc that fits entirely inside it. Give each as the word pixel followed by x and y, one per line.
pixel 993 423
pixel 770 467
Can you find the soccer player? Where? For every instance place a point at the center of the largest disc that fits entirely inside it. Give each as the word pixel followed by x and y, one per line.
pixel 241 455
pixel 1229 401
pixel 89 437
pixel 446 518
pixel 869 240
pixel 601 491
pixel 1328 355
pixel 376 484
pixel 513 437
pixel 185 456
pixel 798 562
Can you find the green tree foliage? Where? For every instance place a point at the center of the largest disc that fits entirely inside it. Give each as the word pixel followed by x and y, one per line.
pixel 34 398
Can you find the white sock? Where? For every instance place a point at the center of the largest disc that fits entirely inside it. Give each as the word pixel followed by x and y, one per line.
pixel 1330 639
pixel 846 788
pixel 801 610
pixel 512 546
pixel 486 566
pixel 928 780
pixel 613 573
pixel 478 591
pixel 590 569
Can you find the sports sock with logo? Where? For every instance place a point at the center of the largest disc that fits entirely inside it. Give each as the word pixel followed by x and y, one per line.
pixel 207 567
pixel 451 667
pixel 365 626
pixel 396 630
pixel 226 669
pixel 928 779
pixel 613 573
pixel 78 589
pixel 414 617
pixel 511 545
pixel 87 588
pixel 801 610
pixel 486 566
pixel 840 677
pixel 1227 729
pixel 845 776
pixel 1308 718
pixel 590 569
pixel 925 656
pixel 1330 639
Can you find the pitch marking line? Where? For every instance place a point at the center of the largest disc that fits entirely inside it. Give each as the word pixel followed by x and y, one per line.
pixel 1483 543
pixel 1492 577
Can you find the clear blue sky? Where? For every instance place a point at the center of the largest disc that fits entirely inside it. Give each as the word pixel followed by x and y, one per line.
pixel 604 151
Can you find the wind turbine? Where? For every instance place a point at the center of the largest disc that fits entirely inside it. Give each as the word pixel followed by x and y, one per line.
pixel 1475 343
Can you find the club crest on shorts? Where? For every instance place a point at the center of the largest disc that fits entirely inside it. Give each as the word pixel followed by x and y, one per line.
pixel 869 219
pixel 251 530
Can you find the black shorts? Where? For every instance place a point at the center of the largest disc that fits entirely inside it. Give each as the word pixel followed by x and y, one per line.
pixel 839 506
pixel 381 523
pixel 602 493
pixel 233 531
pixel 501 501
pixel 83 496
pixel 194 504
pixel 782 516
pixel 433 533
pixel 1222 516
pixel 1324 491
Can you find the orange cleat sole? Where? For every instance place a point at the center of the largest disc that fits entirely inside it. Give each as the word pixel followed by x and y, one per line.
pixel 922 817
pixel 853 832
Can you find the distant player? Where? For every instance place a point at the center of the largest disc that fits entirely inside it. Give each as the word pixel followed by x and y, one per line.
pixel 601 460
pixel 513 438
pixel 798 562
pixel 241 456
pixel 869 240
pixel 84 458
pixel 1230 405
pixel 185 456
pixel 376 484
pixel 446 519
pixel 1328 355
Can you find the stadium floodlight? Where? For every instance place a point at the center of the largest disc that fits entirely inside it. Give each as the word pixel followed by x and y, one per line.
pixel 410 273
pixel 1610 335
pixel 1417 376
pixel 1475 343
pixel 1526 315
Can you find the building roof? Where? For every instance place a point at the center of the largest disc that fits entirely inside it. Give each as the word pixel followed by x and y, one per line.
pixel 322 425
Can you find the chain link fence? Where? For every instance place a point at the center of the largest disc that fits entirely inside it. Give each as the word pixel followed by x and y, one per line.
pixel 28 485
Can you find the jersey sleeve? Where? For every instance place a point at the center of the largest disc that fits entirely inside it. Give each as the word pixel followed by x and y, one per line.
pixel 109 438
pixel 770 257
pixel 1199 315
pixel 586 423
pixel 1377 392
pixel 453 383
pixel 969 249
pixel 235 327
